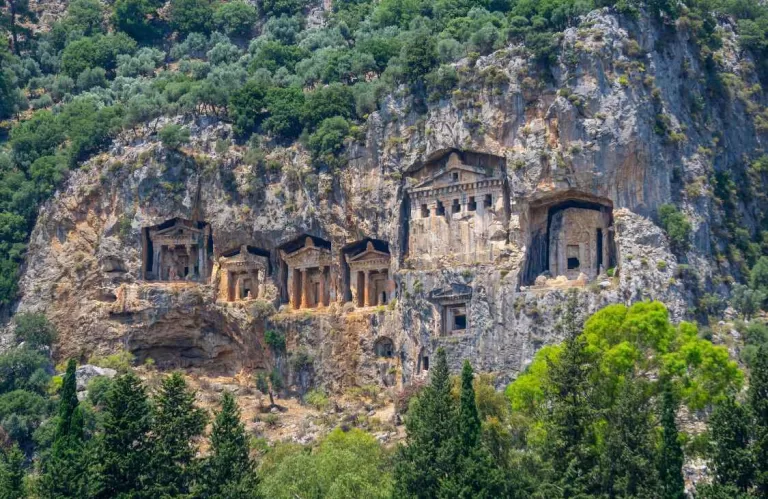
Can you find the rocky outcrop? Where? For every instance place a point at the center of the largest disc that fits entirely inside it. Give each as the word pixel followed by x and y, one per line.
pixel 588 133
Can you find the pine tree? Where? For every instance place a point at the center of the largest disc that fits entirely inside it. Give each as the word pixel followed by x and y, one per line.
pixel 123 449
pixel 758 402
pixel 628 457
pixel 12 474
pixel 177 425
pixel 731 457
pixel 64 469
pixel 228 472
pixel 429 456
pixel 570 421
pixel 475 475
pixel 670 458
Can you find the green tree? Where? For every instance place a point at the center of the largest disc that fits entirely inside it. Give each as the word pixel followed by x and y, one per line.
pixel 430 454
pixel 17 15
pixel 731 456
pixel 228 471
pixel 334 100
pixel 327 143
pixel 758 276
pixel 85 16
pixel 139 19
pixel 12 474
pixel 270 8
pixel 174 136
pixel 747 301
pixel 191 16
pixel 247 107
pixel 419 56
pixel 627 461
pixel 285 107
pixel 123 449
pixel 758 403
pixel 176 426
pixel 64 469
pixel 677 227
pixel 34 329
pixel 236 18
pixel 670 454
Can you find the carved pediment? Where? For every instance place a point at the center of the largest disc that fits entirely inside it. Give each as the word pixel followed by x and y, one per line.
pixel 308 256
pixel 244 260
pixel 369 258
pixel 455 172
pixel 455 293
pixel 178 233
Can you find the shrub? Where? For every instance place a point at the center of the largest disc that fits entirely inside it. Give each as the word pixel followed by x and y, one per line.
pixel 19 368
pixel 327 142
pixel 269 8
pixel 34 329
pixel 235 18
pixel 96 51
pixel 191 16
pixel 317 399
pixel 676 225
pixel 275 340
pixel 174 136
pixel 120 361
pixel 98 388
pixel 285 107
pixel 334 100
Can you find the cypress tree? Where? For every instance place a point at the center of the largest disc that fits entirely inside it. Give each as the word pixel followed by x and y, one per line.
pixel 731 457
pixel 228 472
pixel 12 474
pixel 475 474
pixel 628 459
pixel 570 420
pixel 177 424
pixel 123 449
pixel 670 459
pixel 429 456
pixel 758 402
pixel 64 469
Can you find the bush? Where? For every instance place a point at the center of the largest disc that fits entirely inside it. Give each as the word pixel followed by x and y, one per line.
pixel 334 100
pixel 285 107
pixel 96 51
pixel 677 227
pixel 317 399
pixel 271 8
pixel 275 340
pixel 19 370
pixel 34 329
pixel 120 361
pixel 191 16
pixel 174 136
pixel 246 107
pixel 98 388
pixel 327 142
pixel 139 19
pixel 236 18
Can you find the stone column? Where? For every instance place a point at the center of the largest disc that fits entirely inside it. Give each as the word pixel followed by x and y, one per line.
pixel 156 262
pixel 367 288
pixel 159 274
pixel 321 289
pixel 304 289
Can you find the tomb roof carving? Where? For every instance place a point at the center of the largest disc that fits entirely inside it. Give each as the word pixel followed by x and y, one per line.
pixel 370 257
pixel 308 256
pixel 244 259
pixel 455 293
pixel 178 233
pixel 455 174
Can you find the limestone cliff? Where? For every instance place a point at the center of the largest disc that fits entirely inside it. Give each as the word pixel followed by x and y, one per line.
pixel 613 128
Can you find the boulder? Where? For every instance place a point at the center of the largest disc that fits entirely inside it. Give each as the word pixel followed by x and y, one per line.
pixel 86 373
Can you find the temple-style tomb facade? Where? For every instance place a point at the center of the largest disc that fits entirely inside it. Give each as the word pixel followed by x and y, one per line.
pixel 308 275
pixel 453 304
pixel 578 242
pixel 177 250
pixel 243 275
pixel 369 277
pixel 457 209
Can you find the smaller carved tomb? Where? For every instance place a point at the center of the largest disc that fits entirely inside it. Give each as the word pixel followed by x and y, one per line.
pixel 384 347
pixel 457 208
pixel 369 281
pixel 308 272
pixel 243 274
pixel 453 305
pixel 571 238
pixel 177 250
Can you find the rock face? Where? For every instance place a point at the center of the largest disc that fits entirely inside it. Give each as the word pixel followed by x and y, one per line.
pixel 488 205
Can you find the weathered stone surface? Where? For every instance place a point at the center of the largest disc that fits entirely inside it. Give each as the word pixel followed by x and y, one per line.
pixel 84 374
pixel 586 135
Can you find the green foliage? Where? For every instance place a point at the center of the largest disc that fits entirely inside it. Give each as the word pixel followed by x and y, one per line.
pixel 275 340
pixel 191 16
pixel 247 107
pixel 21 414
pixel 758 402
pixel 327 102
pixel 12 474
pixel 235 18
pixel 732 459
pixel 277 7
pixel 23 369
pixel 670 458
pixel 676 225
pixel 34 329
pixel 123 450
pixel 95 51
pixel 317 399
pixel 228 471
pixel 120 361
pixel 747 301
pixel 139 19
pixel 177 423
pixel 327 143
pixel 285 112
pixel 344 464
pixel 174 136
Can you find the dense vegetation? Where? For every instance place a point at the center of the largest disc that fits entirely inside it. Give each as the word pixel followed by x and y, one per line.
pixel 270 70
pixel 595 416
